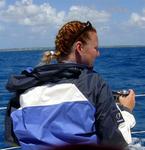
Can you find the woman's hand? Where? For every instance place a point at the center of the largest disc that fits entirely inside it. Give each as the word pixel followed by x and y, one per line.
pixel 128 101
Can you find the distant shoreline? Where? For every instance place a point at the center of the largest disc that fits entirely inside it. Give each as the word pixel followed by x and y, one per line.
pixel 121 46
pixel 26 49
pixel 52 48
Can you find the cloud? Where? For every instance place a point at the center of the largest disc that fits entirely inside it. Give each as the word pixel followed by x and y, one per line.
pixel 2 3
pixel 26 13
pixel 27 2
pixel 24 19
pixel 84 13
pixel 118 9
pixel 104 29
pixel 138 19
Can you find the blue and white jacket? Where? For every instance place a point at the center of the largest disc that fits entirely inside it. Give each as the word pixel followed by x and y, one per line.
pixel 66 104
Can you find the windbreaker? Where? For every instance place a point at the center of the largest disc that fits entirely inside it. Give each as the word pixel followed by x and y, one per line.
pixel 65 103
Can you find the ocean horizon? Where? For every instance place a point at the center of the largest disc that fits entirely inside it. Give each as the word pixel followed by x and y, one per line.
pixel 52 48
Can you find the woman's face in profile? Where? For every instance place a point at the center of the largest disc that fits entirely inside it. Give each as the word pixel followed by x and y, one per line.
pixel 90 50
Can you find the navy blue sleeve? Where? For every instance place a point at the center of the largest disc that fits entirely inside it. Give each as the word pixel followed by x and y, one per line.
pixel 108 117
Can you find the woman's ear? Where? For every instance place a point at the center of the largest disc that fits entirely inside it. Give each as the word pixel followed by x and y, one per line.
pixel 79 47
pixel 78 52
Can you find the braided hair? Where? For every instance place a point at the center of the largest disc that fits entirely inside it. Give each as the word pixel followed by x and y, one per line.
pixel 66 37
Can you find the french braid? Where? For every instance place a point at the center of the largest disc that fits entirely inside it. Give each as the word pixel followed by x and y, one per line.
pixel 66 38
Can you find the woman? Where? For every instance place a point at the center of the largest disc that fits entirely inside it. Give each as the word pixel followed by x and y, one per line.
pixel 67 102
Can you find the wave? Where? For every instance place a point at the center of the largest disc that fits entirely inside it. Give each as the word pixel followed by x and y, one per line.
pixel 137 144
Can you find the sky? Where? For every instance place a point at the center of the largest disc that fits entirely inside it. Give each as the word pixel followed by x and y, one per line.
pixel 35 23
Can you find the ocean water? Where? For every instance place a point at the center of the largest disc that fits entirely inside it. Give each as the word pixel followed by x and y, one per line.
pixel 121 67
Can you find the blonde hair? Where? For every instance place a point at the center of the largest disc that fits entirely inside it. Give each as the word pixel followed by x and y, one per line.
pixel 48 56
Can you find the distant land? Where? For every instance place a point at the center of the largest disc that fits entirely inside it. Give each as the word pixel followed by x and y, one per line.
pixel 52 48
pixel 121 46
pixel 26 49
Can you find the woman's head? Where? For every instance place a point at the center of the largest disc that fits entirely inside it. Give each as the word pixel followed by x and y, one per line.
pixel 75 42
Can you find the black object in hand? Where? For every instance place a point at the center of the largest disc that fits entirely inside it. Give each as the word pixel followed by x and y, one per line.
pixel 119 93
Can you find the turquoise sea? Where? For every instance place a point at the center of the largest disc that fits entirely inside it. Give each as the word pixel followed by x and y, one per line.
pixel 121 67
